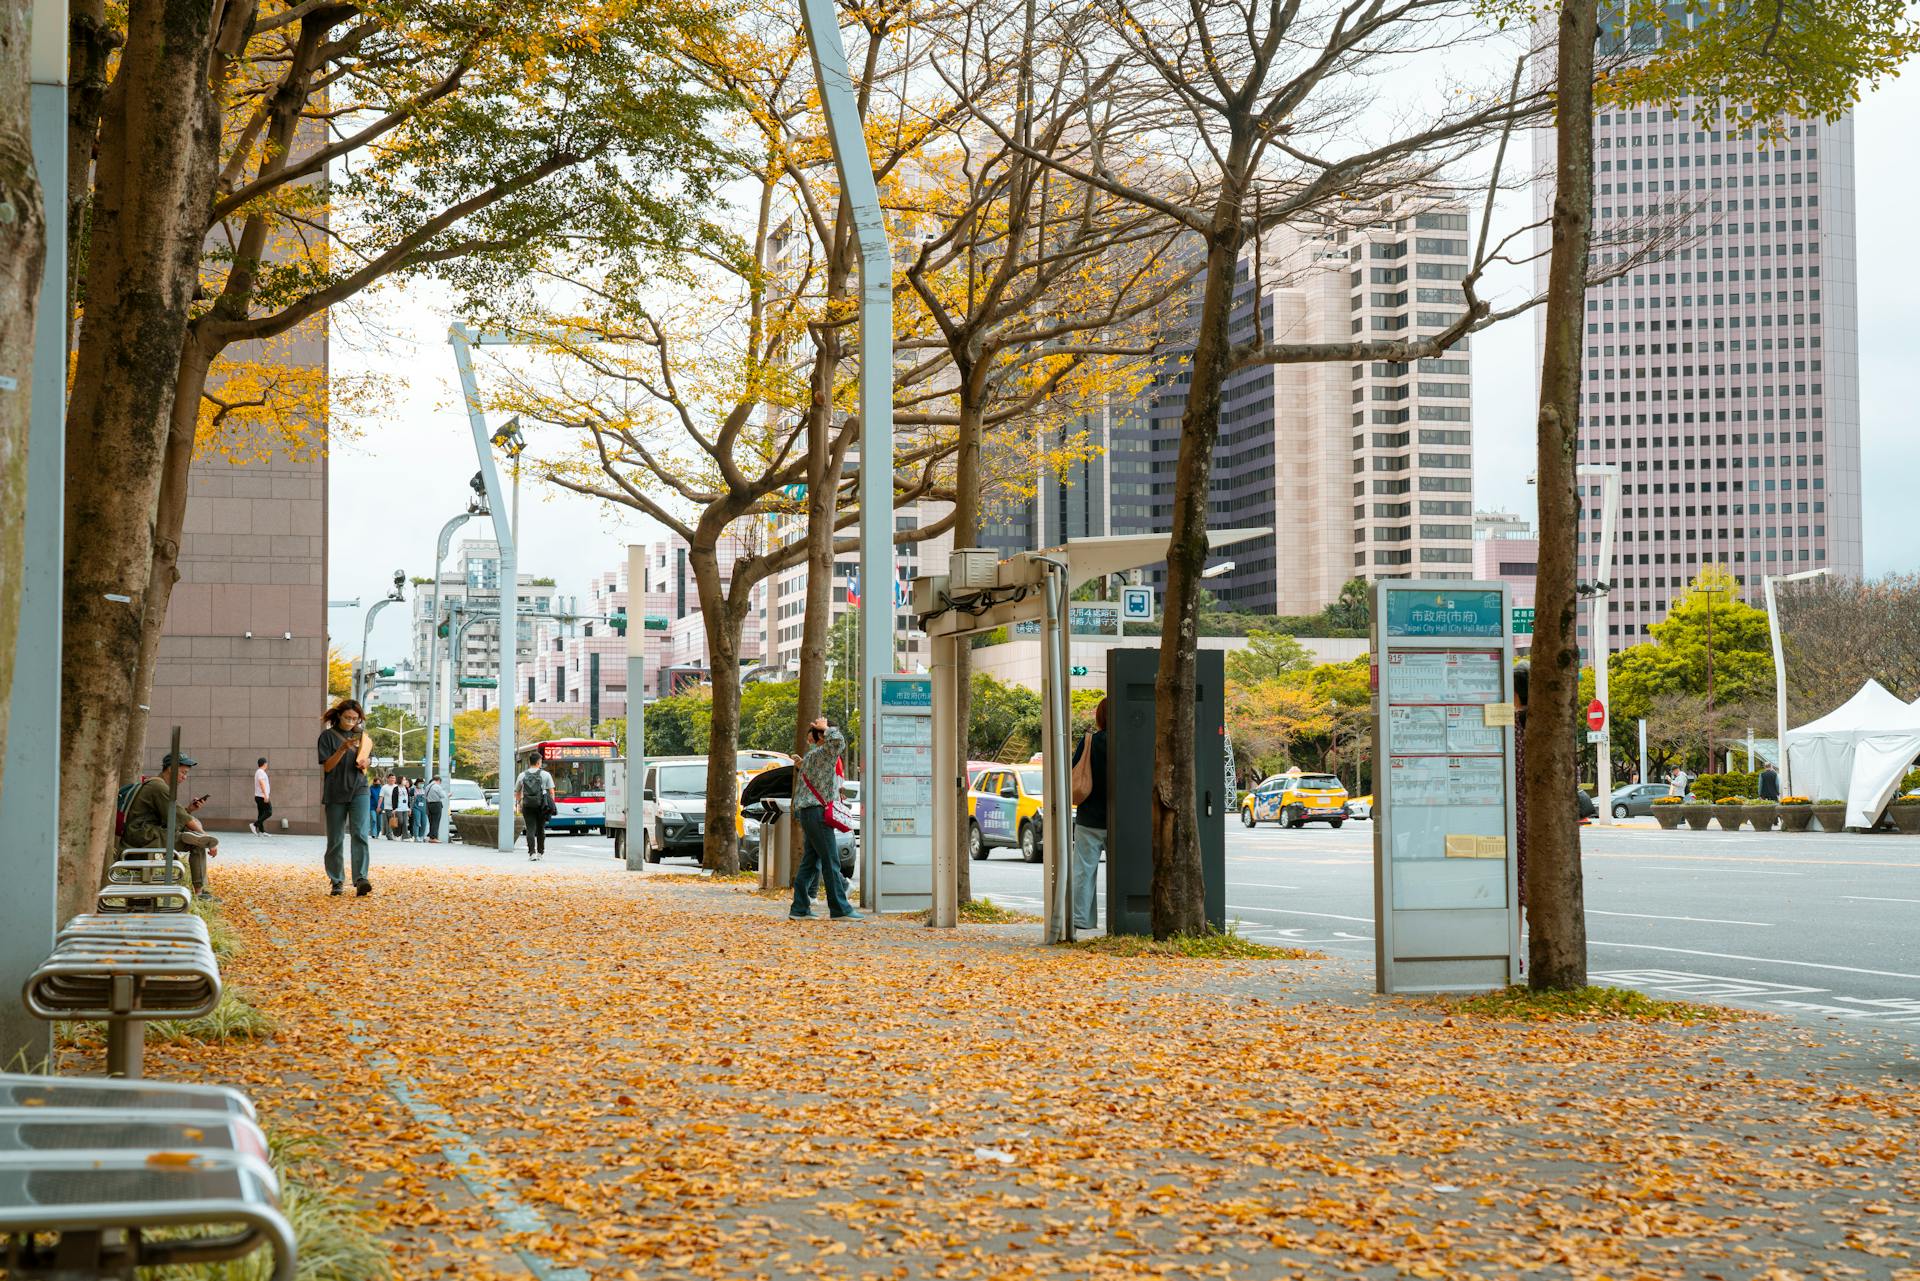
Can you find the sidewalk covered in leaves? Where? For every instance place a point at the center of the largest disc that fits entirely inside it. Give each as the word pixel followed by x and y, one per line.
pixel 574 1074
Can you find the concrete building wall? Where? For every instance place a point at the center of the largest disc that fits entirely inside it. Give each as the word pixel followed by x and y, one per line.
pixel 253 560
pixel 1721 377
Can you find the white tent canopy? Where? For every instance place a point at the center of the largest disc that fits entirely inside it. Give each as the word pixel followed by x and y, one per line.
pixel 1860 751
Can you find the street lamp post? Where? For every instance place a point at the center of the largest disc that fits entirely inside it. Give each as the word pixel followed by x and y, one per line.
pixel 476 508
pixel 1609 474
pixel 1780 670
pixel 399 593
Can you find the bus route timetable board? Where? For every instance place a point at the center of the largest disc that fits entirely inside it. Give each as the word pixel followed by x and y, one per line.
pixel 1445 891
pixel 900 796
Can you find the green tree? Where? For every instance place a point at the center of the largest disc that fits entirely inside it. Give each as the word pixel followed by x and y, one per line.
pixel 1267 655
pixel 1006 720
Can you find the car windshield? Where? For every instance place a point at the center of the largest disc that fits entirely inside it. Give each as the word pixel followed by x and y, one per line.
pixel 465 790
pixel 1317 782
pixel 1030 781
pixel 682 780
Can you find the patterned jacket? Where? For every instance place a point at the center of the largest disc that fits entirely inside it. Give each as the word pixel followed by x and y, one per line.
pixel 816 767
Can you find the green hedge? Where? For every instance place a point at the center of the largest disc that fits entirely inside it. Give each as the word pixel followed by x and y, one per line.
pixel 1711 787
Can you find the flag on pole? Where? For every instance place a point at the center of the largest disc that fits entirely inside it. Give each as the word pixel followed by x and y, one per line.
pixel 853 588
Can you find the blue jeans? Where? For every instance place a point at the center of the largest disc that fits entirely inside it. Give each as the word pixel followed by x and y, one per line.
pixel 1088 844
pixel 419 820
pixel 342 816
pixel 821 859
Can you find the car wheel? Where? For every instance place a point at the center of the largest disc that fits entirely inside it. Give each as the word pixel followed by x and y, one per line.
pixel 1620 811
pixel 976 844
pixel 1246 817
pixel 1295 816
pixel 1030 843
pixel 1335 823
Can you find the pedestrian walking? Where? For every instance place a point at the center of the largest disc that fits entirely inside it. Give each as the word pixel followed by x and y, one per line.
pixel 1089 819
pixel 146 825
pixel 391 798
pixel 436 805
pixel 1769 783
pixel 262 798
pixel 417 802
pixel 345 797
pixel 814 783
pixel 533 794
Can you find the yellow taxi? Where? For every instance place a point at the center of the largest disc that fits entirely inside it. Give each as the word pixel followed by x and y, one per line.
pixel 1004 808
pixel 1295 799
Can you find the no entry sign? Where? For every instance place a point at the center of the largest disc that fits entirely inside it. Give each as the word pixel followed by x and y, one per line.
pixel 1596 715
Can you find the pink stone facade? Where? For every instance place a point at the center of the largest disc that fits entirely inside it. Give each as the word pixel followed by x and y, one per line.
pixel 253 560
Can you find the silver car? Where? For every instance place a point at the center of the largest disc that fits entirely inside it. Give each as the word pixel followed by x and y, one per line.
pixel 1636 799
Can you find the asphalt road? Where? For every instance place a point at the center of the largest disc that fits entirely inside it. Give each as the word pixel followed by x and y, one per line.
pixel 1818 926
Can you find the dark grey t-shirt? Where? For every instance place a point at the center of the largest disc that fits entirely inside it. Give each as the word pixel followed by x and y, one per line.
pixel 346 779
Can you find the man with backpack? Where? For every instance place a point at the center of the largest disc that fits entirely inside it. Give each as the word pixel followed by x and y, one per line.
pixel 143 823
pixel 533 793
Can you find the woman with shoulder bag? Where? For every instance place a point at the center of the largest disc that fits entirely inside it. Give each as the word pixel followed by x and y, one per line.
pixel 1089 819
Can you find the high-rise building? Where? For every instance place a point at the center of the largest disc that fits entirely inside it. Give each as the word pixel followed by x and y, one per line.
pixel 470 588
pixel 1361 469
pixel 1721 370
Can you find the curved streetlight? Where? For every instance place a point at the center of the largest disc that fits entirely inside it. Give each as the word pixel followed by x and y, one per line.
pixel 476 506
pixel 399 593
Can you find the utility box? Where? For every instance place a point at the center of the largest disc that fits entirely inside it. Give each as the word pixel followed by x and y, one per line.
pixel 1130 677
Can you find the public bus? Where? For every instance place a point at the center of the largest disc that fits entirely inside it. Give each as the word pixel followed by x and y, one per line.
pixel 579 769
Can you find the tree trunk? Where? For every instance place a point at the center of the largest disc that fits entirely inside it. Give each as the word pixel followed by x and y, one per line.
pixel 170 518
pixel 720 850
pixel 966 533
pixel 23 256
pixel 154 178
pixel 92 41
pixel 822 508
pixel 1555 897
pixel 1179 894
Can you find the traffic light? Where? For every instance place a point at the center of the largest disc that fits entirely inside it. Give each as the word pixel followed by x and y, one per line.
pixel 386 671
pixel 444 629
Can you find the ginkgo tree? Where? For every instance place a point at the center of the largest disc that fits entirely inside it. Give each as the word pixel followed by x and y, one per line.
pixel 257 162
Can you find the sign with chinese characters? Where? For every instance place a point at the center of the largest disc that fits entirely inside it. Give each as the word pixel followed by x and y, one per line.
pixel 1445 894
pixel 1445 611
pixel 898 836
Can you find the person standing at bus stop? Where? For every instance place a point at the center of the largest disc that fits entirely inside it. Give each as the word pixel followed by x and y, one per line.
pixel 1090 821
pixel 814 782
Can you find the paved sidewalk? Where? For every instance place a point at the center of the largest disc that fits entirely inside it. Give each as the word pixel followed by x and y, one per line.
pixel 560 1072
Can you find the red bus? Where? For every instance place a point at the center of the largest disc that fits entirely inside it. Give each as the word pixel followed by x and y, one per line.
pixel 579 769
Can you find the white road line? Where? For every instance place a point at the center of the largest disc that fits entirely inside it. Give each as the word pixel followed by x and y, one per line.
pixel 1662 867
pixel 1701 920
pixel 1763 960
pixel 1265 885
pixel 1284 911
pixel 1875 898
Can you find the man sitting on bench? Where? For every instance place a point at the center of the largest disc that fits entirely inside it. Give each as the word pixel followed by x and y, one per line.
pixel 146 826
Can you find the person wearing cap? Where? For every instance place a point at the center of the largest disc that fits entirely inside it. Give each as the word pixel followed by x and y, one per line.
pixel 147 811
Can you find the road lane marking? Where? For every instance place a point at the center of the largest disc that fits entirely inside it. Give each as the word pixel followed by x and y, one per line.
pixel 1875 898
pixel 1264 885
pixel 1701 920
pixel 1287 911
pixel 1753 871
pixel 1762 960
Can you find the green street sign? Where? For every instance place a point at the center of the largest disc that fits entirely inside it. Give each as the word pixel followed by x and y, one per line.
pixel 1522 621
pixel 479 682
pixel 656 623
pixel 1077 670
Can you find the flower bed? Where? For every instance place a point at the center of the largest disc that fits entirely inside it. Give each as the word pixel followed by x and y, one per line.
pixel 1731 812
pixel 1830 814
pixel 1697 816
pixel 1666 812
pixel 1763 815
pixel 482 827
pixel 1795 813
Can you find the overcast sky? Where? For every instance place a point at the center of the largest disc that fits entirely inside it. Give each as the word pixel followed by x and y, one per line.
pixel 393 488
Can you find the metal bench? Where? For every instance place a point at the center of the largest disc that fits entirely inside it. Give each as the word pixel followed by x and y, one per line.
pixel 156 870
pixel 89 1168
pixel 126 972
pixel 122 899
pixel 148 925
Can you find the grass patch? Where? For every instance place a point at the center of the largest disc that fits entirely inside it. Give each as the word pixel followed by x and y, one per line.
pixel 1211 946
pixel 234 1019
pixel 1586 1005
pixel 221 937
pixel 980 911
pixel 337 1240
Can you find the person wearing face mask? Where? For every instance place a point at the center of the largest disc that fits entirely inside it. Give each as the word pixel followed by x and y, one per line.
pixel 345 748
